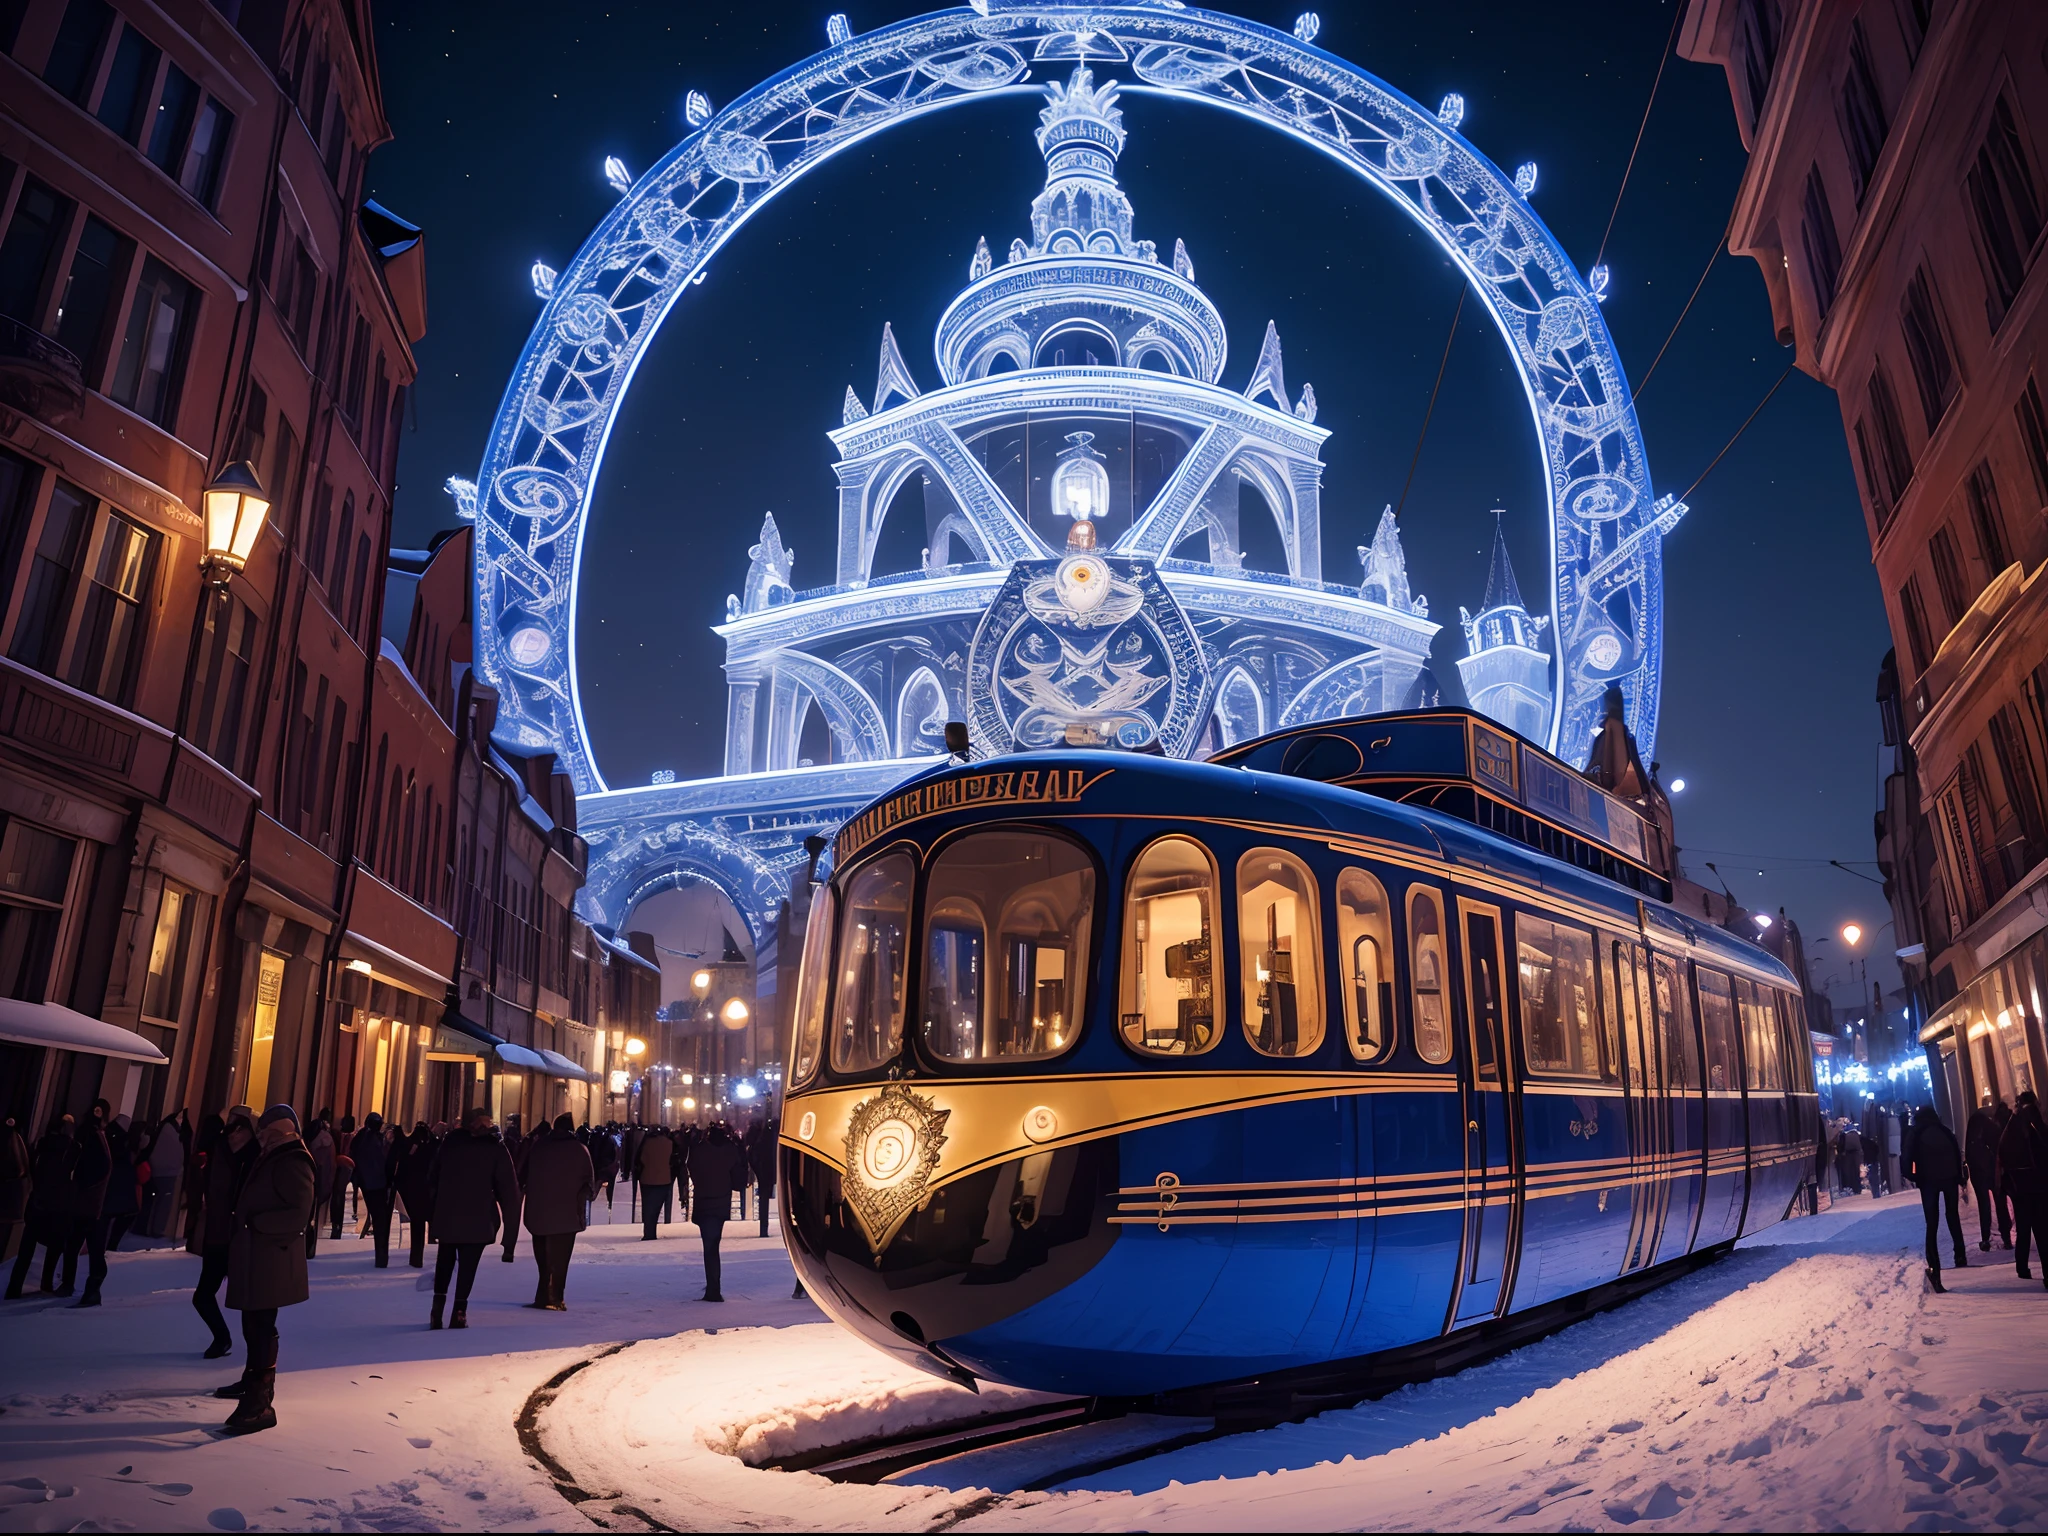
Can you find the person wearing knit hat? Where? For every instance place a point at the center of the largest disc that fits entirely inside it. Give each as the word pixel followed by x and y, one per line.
pixel 267 1260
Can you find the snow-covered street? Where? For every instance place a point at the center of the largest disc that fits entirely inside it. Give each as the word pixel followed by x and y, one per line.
pixel 1809 1382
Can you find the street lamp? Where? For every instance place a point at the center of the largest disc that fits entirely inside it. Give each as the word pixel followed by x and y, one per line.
pixel 1080 489
pixel 1852 934
pixel 701 984
pixel 636 1046
pixel 236 505
pixel 735 1014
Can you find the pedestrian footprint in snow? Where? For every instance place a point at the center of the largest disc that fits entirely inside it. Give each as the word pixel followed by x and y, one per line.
pixel 1935 1163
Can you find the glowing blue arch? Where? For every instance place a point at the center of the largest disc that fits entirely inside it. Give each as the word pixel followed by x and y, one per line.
pixel 538 470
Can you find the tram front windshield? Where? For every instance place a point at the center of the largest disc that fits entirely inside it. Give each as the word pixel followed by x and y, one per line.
pixel 867 1003
pixel 1006 946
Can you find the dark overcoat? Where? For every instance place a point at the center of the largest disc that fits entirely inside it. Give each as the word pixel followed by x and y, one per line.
pixel 267 1254
pixel 473 1192
pixel 559 1181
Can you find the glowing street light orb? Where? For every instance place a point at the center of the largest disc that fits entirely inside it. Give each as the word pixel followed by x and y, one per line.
pixel 1852 933
pixel 636 1046
pixel 1080 486
pixel 1678 786
pixel 687 1103
pixel 735 1014
pixel 701 983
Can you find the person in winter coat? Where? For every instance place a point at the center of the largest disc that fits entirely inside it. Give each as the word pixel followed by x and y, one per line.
pixel 655 1171
pixel 344 1175
pixel 558 1183
pixel 472 1196
pixel 320 1145
pixel 124 1199
pixel 718 1168
pixel 761 1150
pixel 267 1260
pixel 166 1168
pixel 16 1180
pixel 604 1162
pixel 90 1177
pixel 412 1174
pixel 227 1169
pixel 1937 1168
pixel 629 1155
pixel 2023 1174
pixel 49 1206
pixel 1849 1159
pixel 1980 1152
pixel 372 1176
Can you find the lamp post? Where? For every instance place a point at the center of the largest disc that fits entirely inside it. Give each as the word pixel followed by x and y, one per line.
pixel 235 506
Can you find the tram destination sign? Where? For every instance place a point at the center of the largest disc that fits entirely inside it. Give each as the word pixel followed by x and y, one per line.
pixel 966 792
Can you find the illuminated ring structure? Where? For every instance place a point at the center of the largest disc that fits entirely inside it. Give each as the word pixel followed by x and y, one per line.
pixel 546 447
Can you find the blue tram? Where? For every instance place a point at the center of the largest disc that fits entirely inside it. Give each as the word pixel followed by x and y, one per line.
pixel 1119 1075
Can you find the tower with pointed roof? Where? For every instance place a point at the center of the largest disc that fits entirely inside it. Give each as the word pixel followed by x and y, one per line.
pixel 1506 669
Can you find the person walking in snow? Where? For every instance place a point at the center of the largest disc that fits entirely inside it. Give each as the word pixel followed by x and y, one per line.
pixel 1937 1168
pixel 472 1196
pixel 49 1205
pixel 166 1168
pixel 656 1175
pixel 718 1169
pixel 227 1169
pixel 1849 1159
pixel 372 1176
pixel 90 1177
pixel 2023 1174
pixel 320 1143
pixel 267 1260
pixel 124 1200
pixel 16 1180
pixel 1872 1134
pixel 344 1175
pixel 557 1186
pixel 604 1162
pixel 412 1170
pixel 1980 1152
pixel 761 1151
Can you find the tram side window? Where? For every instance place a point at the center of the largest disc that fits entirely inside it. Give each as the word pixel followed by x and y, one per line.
pixel 1717 1023
pixel 1168 984
pixel 813 986
pixel 1766 1073
pixel 1798 1045
pixel 1563 1031
pixel 867 1005
pixel 1427 970
pixel 1631 1009
pixel 1282 957
pixel 1006 946
pixel 1680 1044
pixel 1365 948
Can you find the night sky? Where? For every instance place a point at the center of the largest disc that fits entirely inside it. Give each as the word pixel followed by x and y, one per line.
pixel 504 114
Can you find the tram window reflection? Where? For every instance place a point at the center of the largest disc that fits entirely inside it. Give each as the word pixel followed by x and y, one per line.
pixel 1168 985
pixel 1426 973
pixel 1681 1047
pixel 1563 1029
pixel 1006 946
pixel 867 1007
pixel 1717 1023
pixel 1765 1072
pixel 1282 959
pixel 813 986
pixel 1365 947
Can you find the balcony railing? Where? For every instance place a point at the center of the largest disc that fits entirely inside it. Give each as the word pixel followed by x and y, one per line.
pixel 38 377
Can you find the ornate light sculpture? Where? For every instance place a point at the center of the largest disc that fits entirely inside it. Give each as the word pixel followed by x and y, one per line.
pixel 1080 489
pixel 236 505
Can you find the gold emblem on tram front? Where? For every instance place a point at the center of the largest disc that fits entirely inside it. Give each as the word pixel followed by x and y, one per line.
pixel 892 1147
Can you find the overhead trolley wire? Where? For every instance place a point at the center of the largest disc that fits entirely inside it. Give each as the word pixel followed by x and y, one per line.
pixel 1720 242
pixel 1752 416
pixel 1663 59
pixel 1433 389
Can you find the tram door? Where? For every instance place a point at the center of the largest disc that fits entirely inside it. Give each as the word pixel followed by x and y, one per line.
pixel 1489 1152
pixel 1649 1117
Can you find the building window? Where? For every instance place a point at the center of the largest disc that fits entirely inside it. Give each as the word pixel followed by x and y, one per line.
pixel 35 871
pixel 1914 612
pixel 358 374
pixel 125 97
pixel 2016 768
pixel 1982 491
pixel 1759 26
pixel 1823 245
pixel 227 648
pixel 98 267
pixel 1934 368
pixel 2005 210
pixel 1862 112
pixel 1948 574
pixel 1881 445
pixel 295 285
pixel 111 616
pixel 29 252
pixel 152 363
pixel 177 105
pixel 19 481
pixel 74 57
pixel 163 988
pixel 317 530
pixel 2033 424
pixel 207 152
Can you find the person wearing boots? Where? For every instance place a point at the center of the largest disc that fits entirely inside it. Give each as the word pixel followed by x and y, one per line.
pixel 267 1260
pixel 1980 1151
pixel 412 1169
pixel 89 1180
pixel 49 1205
pixel 372 1175
pixel 1936 1166
pixel 655 1169
pixel 718 1169
pixel 2023 1175
pixel 559 1184
pixel 472 1195
pixel 227 1169
pixel 761 1150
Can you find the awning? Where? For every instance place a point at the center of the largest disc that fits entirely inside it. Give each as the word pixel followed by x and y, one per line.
pixel 519 1056
pixel 561 1066
pixel 65 1029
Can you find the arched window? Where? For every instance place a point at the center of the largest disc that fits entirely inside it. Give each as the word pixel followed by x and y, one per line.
pixel 1077 346
pixel 1167 995
pixel 1365 948
pixel 867 1010
pixel 1002 362
pixel 813 987
pixel 387 861
pixel 1240 711
pixel 921 716
pixel 1007 917
pixel 1280 956
pixel 368 847
pixel 1153 360
pixel 1427 970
